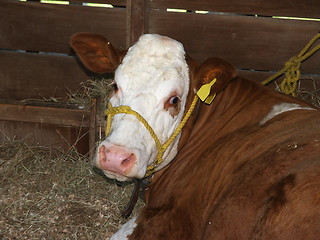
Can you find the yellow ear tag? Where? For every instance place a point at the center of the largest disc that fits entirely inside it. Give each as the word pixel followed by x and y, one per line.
pixel 204 91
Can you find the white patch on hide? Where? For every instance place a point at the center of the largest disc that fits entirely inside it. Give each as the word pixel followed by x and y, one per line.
pixel 281 108
pixel 125 230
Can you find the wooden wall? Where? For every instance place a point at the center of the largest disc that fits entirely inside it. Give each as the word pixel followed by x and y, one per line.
pixel 43 65
pixel 242 32
pixel 37 62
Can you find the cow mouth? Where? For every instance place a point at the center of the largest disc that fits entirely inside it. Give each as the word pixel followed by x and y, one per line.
pixel 116 175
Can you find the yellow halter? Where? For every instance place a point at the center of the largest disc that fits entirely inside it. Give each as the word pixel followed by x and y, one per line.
pixel 203 94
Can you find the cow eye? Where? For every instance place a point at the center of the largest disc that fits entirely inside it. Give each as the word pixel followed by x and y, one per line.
pixel 173 105
pixel 115 87
pixel 174 100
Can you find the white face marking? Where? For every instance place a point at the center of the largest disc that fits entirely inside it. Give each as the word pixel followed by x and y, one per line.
pixel 153 71
pixel 125 230
pixel 281 108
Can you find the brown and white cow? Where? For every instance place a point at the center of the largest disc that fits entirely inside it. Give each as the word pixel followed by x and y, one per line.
pixel 247 166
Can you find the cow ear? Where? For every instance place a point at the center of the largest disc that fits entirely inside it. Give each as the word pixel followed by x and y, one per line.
pixel 96 52
pixel 213 68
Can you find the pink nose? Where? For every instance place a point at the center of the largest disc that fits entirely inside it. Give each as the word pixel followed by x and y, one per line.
pixel 116 159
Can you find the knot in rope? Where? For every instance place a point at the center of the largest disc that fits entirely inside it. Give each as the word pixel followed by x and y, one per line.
pixel 292 76
pixel 111 111
pixel 292 68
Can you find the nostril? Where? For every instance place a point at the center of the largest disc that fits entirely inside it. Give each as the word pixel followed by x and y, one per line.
pixel 102 154
pixel 128 161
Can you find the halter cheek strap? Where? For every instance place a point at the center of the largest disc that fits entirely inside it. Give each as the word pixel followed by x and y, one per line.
pixel 203 94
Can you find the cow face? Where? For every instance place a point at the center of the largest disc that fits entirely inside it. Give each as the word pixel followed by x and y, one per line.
pixel 153 80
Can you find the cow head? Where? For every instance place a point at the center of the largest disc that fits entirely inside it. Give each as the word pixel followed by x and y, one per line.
pixel 153 79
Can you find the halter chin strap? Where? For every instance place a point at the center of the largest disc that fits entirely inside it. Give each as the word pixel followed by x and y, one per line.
pixel 111 111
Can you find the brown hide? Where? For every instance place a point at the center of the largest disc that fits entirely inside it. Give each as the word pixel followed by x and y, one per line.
pixel 236 179
pixel 232 178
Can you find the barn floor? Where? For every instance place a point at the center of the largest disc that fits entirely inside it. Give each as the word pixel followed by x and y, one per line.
pixel 61 196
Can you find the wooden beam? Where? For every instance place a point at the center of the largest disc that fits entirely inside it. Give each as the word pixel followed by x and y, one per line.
pixel 45 115
pixel 92 128
pixel 136 20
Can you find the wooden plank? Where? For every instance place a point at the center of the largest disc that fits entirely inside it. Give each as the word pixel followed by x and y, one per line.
pixel 247 42
pixel 136 11
pixel 45 115
pixel 34 26
pixel 92 129
pixel 45 135
pixel 308 86
pixel 28 75
pixel 288 8
pixel 100 119
pixel 260 76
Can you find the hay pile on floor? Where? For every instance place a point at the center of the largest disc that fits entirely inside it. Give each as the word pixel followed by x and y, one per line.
pixel 56 197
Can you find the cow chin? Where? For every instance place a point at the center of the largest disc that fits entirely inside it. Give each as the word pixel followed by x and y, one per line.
pixel 116 176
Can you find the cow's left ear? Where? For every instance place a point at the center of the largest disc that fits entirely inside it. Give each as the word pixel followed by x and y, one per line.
pixel 213 68
pixel 96 52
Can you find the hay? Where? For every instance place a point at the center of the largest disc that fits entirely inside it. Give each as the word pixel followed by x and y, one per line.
pixel 308 90
pixel 46 196
pixel 96 88
pixel 81 99
pixel 311 95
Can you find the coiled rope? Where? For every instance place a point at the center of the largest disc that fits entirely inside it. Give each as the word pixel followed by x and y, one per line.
pixel 292 68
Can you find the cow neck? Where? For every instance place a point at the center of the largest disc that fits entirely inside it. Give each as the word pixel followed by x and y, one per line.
pixel 186 133
pixel 201 111
pixel 203 114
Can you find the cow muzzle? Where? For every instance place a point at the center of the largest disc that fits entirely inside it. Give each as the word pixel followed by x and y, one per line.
pixel 116 159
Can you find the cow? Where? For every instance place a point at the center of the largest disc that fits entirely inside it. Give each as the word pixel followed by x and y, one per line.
pixel 245 165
